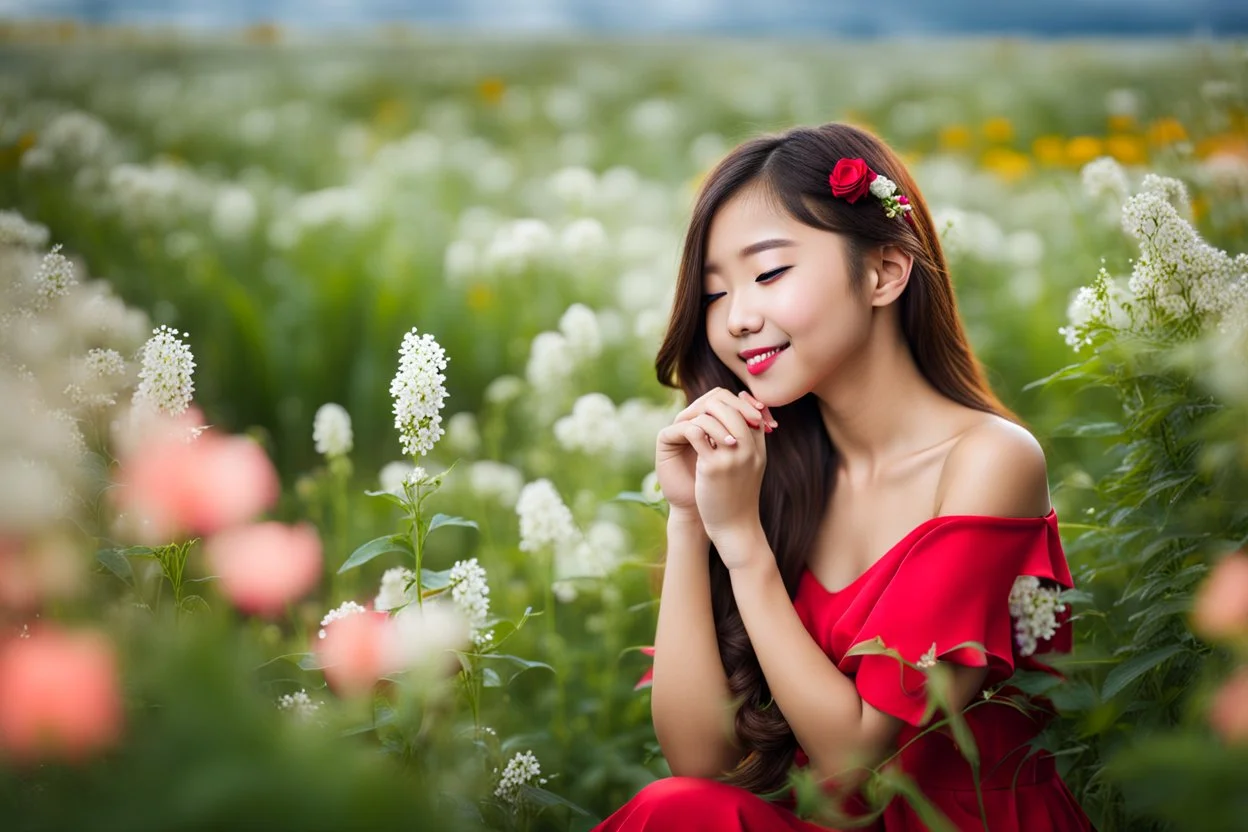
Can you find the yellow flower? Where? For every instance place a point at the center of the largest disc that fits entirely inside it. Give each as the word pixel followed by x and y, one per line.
pixel 999 130
pixel 491 89
pixel 1130 150
pixel 1008 164
pixel 1083 149
pixel 1049 149
pixel 1164 131
pixel 1122 123
pixel 955 137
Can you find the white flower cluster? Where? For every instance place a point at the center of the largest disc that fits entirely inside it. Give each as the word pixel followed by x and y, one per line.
pixel 343 610
pixel 165 375
pixel 299 703
pixel 419 393
pixel 94 384
pixel 885 190
pixel 18 232
pixel 1104 178
pixel 594 556
pixel 394 474
pixel 553 356
pixel 521 770
pixel 1034 609
pixel 592 426
pixel 54 277
pixel 394 592
pixel 331 430
pixel 1178 277
pixel 544 519
pixel 495 482
pixel 471 595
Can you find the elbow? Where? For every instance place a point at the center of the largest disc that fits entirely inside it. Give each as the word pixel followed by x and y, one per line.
pixel 706 754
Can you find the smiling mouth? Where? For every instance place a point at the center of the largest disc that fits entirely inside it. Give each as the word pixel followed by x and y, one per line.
pixel 760 358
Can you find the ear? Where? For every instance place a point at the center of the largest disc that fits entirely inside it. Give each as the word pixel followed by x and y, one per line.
pixel 890 266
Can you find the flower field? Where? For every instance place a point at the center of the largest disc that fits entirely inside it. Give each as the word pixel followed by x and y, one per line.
pixel 329 404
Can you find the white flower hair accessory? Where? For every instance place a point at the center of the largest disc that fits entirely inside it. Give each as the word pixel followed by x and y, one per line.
pixel 853 179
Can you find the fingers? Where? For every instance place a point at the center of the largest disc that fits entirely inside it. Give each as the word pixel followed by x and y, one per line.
pixel 732 417
pixel 749 407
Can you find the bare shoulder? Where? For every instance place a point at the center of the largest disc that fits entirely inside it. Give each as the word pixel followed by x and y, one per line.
pixel 996 468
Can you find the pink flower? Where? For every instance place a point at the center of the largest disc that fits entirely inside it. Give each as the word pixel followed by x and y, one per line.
pixel 173 484
pixel 1221 607
pixel 265 566
pixel 59 695
pixel 1228 713
pixel 356 652
pixel 647 678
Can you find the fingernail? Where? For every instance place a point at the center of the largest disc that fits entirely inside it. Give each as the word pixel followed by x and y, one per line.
pixel 766 428
pixel 774 423
pixel 730 439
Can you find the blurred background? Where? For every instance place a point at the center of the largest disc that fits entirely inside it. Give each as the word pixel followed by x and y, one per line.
pixel 292 187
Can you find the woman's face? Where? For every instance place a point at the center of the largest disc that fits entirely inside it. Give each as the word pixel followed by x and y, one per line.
pixel 773 282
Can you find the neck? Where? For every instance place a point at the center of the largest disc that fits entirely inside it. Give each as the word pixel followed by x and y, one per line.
pixel 878 408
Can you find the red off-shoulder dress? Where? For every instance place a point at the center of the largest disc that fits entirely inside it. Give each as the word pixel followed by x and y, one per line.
pixel 947 582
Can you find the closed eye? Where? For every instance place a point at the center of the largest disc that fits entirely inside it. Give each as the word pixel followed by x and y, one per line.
pixel 771 275
pixel 706 299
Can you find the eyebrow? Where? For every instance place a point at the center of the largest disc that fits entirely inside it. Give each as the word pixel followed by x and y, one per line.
pixel 752 249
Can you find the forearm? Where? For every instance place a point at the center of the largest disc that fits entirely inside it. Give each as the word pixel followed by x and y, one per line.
pixel 820 703
pixel 690 702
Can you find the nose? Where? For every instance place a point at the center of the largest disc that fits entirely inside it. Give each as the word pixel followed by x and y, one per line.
pixel 743 316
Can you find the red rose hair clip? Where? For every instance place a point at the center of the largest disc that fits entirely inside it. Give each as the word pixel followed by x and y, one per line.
pixel 852 179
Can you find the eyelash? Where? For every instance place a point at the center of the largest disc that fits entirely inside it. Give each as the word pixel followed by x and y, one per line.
pixel 765 277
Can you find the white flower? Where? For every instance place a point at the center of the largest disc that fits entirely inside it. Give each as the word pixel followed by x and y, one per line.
pixel 299 703
pixel 393 475
pixel 1034 609
pixel 1104 177
pixel 471 595
pixel 394 592
pixel 18 232
pixel 234 213
pixel 650 488
pixel 418 392
pixel 521 770
pixel 165 374
pixel 579 325
pixel 331 430
pixel 495 482
pixel 462 434
pixel 54 277
pixel 595 556
pixel 583 239
pixel 544 519
pixel 928 659
pixel 96 379
pixel 551 362
pixel 421 633
pixel 592 426
pixel 341 611
pixel 504 389
pixel 882 186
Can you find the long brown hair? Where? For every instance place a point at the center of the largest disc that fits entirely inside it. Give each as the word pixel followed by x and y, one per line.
pixel 793 169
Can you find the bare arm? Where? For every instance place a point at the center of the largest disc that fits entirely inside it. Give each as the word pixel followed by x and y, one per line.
pixel 690 703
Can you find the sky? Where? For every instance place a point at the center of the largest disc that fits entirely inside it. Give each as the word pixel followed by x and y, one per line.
pixel 1053 18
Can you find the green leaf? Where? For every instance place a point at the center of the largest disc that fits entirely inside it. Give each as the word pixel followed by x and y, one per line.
pixel 431 581
pixel 1033 681
pixel 117 564
pixel 389 497
pixel 1130 670
pixel 1080 429
pixel 538 796
pixel 375 547
pixel 310 661
pixel 1070 371
pixel 519 665
pixel 440 520
pixel 491 678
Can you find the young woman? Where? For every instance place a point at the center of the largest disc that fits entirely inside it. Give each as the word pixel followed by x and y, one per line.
pixel 842 475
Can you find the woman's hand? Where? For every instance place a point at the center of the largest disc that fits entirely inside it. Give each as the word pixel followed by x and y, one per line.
pixel 710 460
